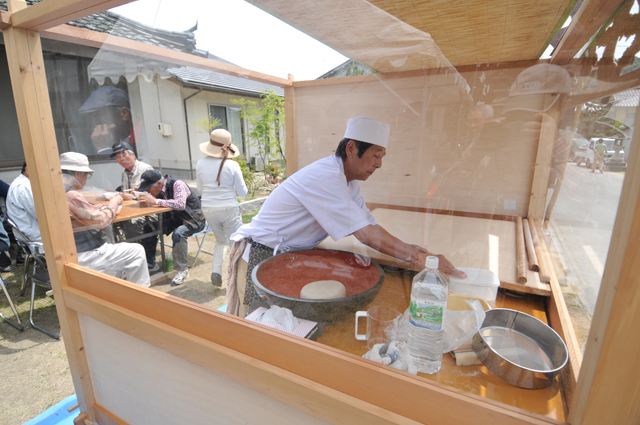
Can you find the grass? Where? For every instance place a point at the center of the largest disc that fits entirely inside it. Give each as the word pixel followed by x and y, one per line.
pixel 246 218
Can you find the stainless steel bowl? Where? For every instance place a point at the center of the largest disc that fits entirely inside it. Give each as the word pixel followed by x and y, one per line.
pixel 520 349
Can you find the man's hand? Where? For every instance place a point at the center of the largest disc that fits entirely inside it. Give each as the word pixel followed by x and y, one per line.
pixel 147 198
pixel 101 136
pixel 446 268
pixel 127 196
pixel 115 202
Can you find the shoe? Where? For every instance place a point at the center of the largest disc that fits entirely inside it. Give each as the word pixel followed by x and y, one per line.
pixel 216 279
pixel 8 268
pixel 180 278
pixel 153 268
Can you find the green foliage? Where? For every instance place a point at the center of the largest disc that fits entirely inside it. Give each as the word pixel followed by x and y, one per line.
pixel 248 175
pixel 207 124
pixel 355 68
pixel 266 125
pixel 272 172
pixel 593 122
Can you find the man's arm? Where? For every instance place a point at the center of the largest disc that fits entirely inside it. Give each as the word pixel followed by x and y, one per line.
pixel 96 216
pixel 379 239
pixel 180 194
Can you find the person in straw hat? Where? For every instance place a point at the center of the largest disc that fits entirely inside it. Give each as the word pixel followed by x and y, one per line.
pixel 322 199
pixel 88 219
pixel 220 181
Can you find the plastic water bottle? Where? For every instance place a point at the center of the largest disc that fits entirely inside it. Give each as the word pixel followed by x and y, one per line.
pixel 427 315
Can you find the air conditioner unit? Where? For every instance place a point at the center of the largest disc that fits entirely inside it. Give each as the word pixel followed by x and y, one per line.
pixel 165 129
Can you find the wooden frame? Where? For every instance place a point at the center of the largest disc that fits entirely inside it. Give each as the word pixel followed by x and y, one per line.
pixel 606 392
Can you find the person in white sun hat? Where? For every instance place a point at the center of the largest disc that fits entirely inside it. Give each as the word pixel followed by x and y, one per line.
pixel 88 219
pixel 219 181
pixel 321 199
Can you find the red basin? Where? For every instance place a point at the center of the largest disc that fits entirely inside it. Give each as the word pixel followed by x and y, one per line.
pixel 282 277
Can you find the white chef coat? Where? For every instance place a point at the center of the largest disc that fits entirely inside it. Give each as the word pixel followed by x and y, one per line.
pixel 21 208
pixel 231 182
pixel 314 202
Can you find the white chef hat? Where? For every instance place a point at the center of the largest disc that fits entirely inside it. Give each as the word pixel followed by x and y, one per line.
pixel 368 130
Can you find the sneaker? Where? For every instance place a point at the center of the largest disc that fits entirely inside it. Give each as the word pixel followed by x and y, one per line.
pixel 153 267
pixel 180 278
pixel 216 279
pixel 7 269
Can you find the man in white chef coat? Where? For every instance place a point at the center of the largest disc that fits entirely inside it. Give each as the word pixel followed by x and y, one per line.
pixel 321 199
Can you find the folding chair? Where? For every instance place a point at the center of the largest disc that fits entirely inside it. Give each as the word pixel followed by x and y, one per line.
pixel 203 233
pixel 201 244
pixel 40 279
pixel 33 254
pixel 19 326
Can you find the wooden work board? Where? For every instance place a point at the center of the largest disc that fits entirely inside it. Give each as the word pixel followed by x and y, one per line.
pixel 466 241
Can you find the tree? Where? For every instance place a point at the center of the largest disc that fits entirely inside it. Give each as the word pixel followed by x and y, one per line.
pixel 593 122
pixel 266 124
pixel 207 124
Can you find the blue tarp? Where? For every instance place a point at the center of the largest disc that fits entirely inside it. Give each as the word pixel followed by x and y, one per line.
pixel 58 414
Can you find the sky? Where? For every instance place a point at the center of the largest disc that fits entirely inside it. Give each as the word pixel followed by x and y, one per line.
pixel 240 33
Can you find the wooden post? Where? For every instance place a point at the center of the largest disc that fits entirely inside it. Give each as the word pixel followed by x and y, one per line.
pixel 538 199
pixel 608 389
pixel 31 94
pixel 290 126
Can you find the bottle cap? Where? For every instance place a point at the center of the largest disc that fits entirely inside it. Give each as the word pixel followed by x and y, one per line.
pixel 432 262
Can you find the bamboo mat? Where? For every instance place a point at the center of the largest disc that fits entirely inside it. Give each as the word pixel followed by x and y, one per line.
pixel 466 241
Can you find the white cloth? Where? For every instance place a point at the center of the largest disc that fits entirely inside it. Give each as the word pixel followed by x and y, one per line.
pixel 21 208
pixel 114 259
pixel 314 202
pixel 131 179
pixel 231 183
pixel 223 222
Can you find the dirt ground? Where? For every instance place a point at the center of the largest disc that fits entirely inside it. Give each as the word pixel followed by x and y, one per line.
pixel 34 372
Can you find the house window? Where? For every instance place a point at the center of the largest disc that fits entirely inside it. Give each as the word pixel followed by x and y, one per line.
pixel 230 120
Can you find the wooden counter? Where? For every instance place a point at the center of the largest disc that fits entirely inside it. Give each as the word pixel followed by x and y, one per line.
pixel 466 241
pixel 396 293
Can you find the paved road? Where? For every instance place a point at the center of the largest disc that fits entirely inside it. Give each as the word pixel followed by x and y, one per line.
pixel 583 219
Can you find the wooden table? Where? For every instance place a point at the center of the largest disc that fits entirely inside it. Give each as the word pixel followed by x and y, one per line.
pixel 466 241
pixel 396 293
pixel 131 210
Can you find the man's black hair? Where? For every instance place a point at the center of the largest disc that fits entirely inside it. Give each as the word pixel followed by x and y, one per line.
pixel 24 167
pixel 341 150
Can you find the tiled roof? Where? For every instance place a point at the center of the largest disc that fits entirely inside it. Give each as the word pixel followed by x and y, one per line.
pixel 221 82
pixel 628 98
pixel 114 24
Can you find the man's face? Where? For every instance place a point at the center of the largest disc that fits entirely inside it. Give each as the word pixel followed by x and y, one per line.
pixel 362 168
pixel 82 178
pixel 126 159
pixel 155 189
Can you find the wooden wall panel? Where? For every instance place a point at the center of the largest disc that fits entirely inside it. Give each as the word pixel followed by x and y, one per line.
pixel 426 165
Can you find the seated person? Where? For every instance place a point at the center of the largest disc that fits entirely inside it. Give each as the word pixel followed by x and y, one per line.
pixel 133 169
pixel 21 208
pixel 185 219
pixel 88 220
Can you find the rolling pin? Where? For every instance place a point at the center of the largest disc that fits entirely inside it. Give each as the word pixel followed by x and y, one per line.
pixel 521 257
pixel 531 251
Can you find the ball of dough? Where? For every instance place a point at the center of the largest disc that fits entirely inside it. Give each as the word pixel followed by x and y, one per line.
pixel 323 290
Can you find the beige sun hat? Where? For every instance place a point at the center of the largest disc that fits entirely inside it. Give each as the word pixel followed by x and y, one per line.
pixel 74 161
pixel 218 144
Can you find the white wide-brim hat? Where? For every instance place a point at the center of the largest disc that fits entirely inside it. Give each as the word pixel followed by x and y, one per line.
pixel 74 161
pixel 368 130
pixel 219 142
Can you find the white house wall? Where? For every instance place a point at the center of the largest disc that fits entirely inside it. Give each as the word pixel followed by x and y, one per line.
pixel 198 109
pixel 160 102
